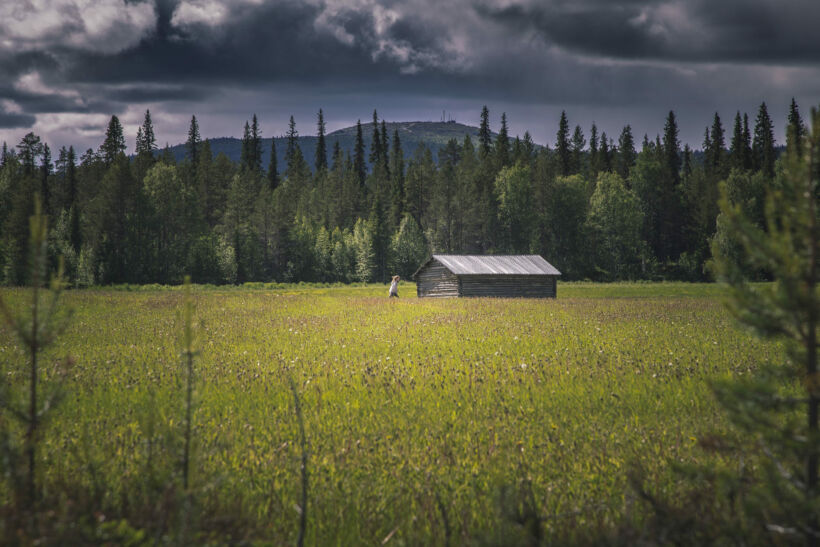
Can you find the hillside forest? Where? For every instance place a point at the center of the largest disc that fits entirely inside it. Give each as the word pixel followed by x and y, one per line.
pixel 594 206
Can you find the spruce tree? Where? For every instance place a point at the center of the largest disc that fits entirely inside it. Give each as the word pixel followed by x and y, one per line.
pixel 193 143
pixel 70 181
pixel 321 147
pixel 605 154
pixel 686 169
pixel 114 143
pixel 376 143
pixel 359 165
pixel 763 153
pixel 736 148
pixel 146 140
pixel 485 137
pixel 273 169
pixel 502 144
pixel 594 166
pixel 45 174
pixel 255 146
pixel 397 179
pixel 669 206
pixel 795 131
pixel 707 148
pixel 529 146
pixel 338 157
pixel 671 148
pixel 292 149
pixel 385 146
pixel 716 154
pixel 577 150
pixel 245 155
pixel 562 145
pixel 626 153
pixel 381 238
pixel 748 160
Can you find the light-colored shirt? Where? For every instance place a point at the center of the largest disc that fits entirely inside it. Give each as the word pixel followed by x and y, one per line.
pixel 394 288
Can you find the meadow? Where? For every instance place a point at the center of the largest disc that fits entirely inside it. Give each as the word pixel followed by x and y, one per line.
pixel 435 421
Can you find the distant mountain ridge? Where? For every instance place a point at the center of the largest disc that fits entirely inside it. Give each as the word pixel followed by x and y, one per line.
pixel 434 135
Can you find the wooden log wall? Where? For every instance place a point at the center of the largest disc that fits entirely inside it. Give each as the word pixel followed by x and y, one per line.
pixel 527 286
pixel 436 280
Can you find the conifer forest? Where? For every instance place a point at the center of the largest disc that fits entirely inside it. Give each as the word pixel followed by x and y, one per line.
pixel 597 206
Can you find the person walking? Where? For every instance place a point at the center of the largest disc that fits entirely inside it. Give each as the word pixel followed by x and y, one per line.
pixel 394 287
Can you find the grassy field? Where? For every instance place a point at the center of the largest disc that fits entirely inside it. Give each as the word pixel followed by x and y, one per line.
pixel 428 421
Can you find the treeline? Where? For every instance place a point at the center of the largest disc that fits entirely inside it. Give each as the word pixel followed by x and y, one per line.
pixel 595 208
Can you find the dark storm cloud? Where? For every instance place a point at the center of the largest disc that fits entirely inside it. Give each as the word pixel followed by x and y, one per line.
pixel 239 56
pixel 747 31
pixel 10 120
pixel 269 44
pixel 147 94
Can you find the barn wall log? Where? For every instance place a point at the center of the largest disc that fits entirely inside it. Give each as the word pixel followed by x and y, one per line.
pixel 436 281
pixel 507 286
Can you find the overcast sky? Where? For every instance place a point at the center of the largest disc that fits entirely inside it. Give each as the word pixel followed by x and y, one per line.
pixel 67 65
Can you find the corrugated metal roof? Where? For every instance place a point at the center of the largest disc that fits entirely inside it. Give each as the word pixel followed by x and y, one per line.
pixel 497 264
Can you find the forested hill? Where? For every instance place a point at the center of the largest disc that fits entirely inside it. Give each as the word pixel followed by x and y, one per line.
pixel 411 134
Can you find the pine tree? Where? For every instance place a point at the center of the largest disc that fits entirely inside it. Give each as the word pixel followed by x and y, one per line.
pixel 321 147
pixel 502 144
pixel 626 153
pixel 778 405
pixel 114 143
pixel 359 165
pixel 273 169
pixel 485 137
pixel 562 145
pixel 193 143
pixel 4 156
pixel 577 150
pixel 763 153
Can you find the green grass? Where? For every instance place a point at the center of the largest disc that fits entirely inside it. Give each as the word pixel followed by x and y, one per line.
pixel 414 409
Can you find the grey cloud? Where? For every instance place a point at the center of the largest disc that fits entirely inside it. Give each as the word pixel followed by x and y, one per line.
pixel 12 120
pixel 747 31
pixel 583 54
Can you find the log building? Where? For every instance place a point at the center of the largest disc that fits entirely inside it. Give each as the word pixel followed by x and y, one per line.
pixel 505 276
